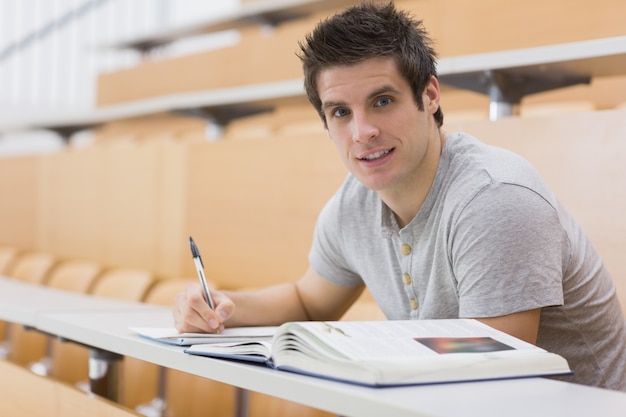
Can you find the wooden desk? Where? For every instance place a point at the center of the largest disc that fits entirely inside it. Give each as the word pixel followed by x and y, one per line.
pixel 103 325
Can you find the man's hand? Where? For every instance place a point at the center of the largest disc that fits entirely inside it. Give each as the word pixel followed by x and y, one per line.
pixel 192 313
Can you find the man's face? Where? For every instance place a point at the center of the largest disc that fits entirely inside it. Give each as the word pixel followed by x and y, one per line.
pixel 374 121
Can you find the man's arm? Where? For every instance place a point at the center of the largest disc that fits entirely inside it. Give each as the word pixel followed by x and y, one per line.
pixel 310 298
pixel 523 325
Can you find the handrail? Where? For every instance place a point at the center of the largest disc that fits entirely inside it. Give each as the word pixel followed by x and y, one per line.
pixel 508 76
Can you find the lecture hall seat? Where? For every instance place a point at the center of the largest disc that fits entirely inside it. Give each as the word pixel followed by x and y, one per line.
pixel 177 393
pixel 69 361
pixel 21 346
pixel 26 394
pixel 32 267
pixel 69 275
pixel 7 257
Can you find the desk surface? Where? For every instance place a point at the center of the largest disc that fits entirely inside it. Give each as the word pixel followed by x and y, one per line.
pixel 22 302
pixel 521 72
pixel 103 323
pixel 522 397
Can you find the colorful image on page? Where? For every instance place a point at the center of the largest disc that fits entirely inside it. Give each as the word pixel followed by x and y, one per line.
pixel 443 345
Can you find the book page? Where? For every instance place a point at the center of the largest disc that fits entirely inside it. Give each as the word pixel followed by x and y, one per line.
pixel 252 351
pixel 402 339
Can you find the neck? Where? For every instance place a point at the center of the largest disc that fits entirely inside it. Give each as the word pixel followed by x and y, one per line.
pixel 407 199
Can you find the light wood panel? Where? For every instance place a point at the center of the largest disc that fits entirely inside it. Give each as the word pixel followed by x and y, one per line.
pixel 252 206
pixel 72 197
pixel 25 346
pixel 459 27
pixel 153 127
pixel 19 191
pixel 119 204
pixel 463 27
pixel 224 67
pixel 26 394
pixel 8 254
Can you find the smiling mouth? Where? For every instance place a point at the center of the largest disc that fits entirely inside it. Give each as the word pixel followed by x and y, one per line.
pixel 376 155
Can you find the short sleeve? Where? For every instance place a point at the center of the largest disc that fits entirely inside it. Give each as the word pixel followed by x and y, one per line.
pixel 327 255
pixel 508 252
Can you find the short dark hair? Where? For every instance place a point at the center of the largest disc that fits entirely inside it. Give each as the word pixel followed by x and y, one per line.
pixel 367 31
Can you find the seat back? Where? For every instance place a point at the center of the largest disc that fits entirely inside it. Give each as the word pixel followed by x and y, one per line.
pixel 74 275
pixel 25 346
pixel 124 284
pixel 69 360
pixel 164 291
pixel 69 275
pixel 33 267
pixel 7 256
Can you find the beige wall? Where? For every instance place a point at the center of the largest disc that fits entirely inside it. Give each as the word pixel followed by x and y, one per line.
pixel 252 205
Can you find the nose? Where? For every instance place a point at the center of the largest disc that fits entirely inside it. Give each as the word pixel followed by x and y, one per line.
pixel 363 128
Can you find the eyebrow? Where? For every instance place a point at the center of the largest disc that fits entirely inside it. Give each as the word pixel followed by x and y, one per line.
pixel 385 89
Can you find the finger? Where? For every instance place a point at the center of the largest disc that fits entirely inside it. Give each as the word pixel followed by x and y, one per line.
pixel 192 314
pixel 224 306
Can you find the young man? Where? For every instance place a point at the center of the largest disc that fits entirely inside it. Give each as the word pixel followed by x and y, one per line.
pixel 435 225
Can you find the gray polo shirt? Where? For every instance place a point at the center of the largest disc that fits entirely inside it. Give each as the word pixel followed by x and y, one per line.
pixel 490 239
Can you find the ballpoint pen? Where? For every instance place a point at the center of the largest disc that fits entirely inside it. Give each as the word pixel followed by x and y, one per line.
pixel 197 260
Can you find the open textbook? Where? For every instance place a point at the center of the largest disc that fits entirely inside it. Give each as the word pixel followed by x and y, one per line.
pixel 405 352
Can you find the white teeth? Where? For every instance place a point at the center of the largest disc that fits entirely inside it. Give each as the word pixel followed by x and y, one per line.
pixel 376 155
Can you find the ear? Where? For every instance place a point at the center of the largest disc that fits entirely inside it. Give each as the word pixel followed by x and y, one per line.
pixel 431 95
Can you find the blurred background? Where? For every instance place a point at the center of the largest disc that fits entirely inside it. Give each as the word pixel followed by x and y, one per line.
pixel 51 52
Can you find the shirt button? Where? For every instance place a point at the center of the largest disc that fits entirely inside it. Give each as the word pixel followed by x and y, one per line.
pixel 414 304
pixel 405 249
pixel 406 278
